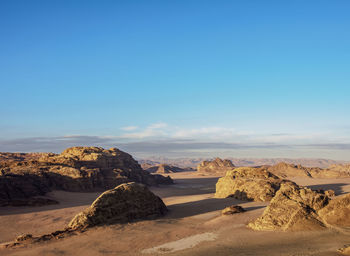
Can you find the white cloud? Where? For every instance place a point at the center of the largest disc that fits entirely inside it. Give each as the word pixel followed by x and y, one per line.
pixel 153 130
pixel 129 128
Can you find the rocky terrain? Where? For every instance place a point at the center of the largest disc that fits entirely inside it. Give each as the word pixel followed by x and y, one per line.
pixel 217 166
pixel 251 162
pixel 165 168
pixel 24 177
pixel 296 208
pixel 290 170
pixel 292 208
pixel 247 183
pixel 125 203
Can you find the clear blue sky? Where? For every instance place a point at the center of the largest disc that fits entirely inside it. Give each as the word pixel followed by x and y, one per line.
pixel 121 72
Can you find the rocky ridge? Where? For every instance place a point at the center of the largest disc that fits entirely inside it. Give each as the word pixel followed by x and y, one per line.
pixel 75 169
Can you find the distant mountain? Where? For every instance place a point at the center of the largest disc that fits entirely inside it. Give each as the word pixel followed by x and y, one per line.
pixel 193 162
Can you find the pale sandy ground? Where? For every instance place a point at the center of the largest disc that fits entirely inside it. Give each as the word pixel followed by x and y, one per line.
pixel 193 226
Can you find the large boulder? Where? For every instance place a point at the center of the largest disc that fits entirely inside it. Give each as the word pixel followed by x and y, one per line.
pixel 125 203
pixel 247 183
pixel 293 208
pixel 75 169
pixel 217 166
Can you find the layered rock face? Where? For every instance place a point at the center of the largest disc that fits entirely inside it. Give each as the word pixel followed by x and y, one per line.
pixel 75 169
pixel 217 166
pixel 246 183
pixel 125 203
pixel 293 208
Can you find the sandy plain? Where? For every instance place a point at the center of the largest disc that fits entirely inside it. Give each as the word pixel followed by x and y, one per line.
pixel 193 226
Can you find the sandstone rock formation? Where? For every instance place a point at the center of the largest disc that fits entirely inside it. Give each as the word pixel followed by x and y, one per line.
pixel 293 208
pixel 247 183
pixel 75 169
pixel 284 170
pixel 217 166
pixel 125 203
pixel 164 168
pixel 337 212
pixel 232 210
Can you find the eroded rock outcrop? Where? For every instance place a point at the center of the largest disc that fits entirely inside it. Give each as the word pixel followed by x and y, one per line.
pixel 337 212
pixel 125 203
pixel 247 183
pixel 164 168
pixel 293 208
pixel 217 166
pixel 75 169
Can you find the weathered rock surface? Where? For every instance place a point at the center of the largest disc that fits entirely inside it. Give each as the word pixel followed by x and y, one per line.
pixel 217 166
pixel 232 210
pixel 337 212
pixel 247 183
pixel 125 203
pixel 293 208
pixel 75 169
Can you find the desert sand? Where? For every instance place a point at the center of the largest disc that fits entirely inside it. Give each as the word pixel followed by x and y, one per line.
pixel 193 226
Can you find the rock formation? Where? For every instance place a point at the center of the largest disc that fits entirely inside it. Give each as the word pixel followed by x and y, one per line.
pixel 247 183
pixel 217 166
pixel 232 210
pixel 164 168
pixel 284 170
pixel 75 169
pixel 292 208
pixel 337 212
pixel 290 170
pixel 125 203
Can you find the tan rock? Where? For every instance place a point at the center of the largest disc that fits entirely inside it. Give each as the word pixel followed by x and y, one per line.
pixel 125 203
pixel 232 210
pixel 285 170
pixel 75 169
pixel 164 168
pixel 247 183
pixel 293 208
pixel 217 166
pixel 337 212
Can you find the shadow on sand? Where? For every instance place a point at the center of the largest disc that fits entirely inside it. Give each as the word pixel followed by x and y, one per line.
pixel 204 206
pixel 337 187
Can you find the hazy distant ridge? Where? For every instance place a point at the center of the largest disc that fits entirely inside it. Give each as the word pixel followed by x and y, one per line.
pixel 193 162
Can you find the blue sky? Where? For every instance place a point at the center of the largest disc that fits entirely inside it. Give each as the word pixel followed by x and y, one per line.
pixel 177 78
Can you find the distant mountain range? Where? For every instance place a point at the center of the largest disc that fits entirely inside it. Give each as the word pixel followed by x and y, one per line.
pixel 193 162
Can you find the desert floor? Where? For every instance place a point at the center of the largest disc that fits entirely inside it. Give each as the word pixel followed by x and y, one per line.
pixel 194 226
